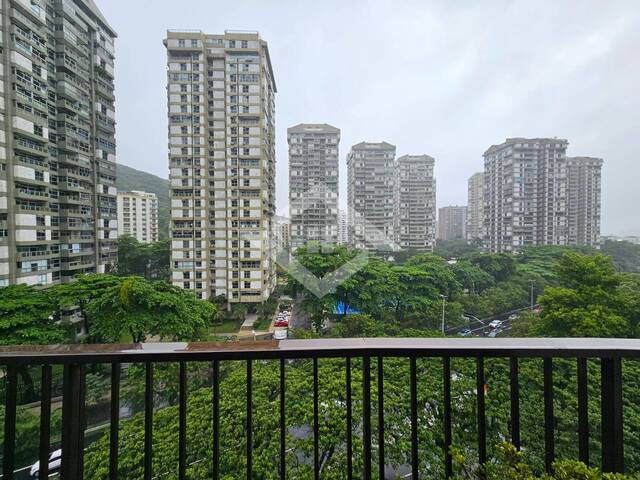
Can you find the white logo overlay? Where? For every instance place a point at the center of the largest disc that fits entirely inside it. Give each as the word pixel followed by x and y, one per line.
pixel 364 235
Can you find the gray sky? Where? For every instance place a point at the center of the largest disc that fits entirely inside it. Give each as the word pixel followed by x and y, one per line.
pixel 445 78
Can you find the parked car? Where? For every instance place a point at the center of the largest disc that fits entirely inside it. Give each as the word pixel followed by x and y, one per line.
pixel 280 334
pixel 281 323
pixel 496 324
pixel 465 332
pixel 54 464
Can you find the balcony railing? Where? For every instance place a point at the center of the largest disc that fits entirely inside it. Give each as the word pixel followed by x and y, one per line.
pixel 75 359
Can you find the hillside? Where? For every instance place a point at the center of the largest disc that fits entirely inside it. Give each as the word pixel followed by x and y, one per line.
pixel 128 178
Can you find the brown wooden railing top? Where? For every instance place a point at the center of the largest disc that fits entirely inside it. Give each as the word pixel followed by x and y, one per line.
pixel 326 347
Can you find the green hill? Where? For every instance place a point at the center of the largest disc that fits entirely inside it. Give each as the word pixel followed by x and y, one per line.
pixel 128 179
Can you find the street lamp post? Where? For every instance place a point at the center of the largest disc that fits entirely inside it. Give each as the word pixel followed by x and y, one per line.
pixel 444 301
pixel 532 283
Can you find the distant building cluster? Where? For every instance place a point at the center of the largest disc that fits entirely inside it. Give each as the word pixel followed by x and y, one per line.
pixel 535 195
pixel 138 215
pixel 60 214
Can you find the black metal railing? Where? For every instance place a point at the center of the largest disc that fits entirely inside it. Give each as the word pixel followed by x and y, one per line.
pixel 75 359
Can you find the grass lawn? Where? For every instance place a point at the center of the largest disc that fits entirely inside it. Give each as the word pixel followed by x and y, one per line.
pixel 227 326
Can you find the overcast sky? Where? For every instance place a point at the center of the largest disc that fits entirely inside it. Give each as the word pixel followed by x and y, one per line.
pixel 445 78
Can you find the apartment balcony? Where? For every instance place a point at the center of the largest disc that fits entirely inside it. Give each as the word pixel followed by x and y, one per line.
pixel 362 403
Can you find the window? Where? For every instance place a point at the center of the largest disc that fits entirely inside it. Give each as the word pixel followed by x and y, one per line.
pixel 194 43
pixel 244 44
pixel 183 67
pixel 181 43
pixel 247 284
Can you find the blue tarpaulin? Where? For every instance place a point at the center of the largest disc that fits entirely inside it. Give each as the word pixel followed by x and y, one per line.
pixel 339 309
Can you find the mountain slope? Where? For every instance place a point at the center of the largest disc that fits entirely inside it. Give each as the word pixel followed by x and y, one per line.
pixel 128 179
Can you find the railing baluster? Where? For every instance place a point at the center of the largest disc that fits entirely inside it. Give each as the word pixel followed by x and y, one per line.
pixel 349 420
pixel 283 431
pixel 148 421
pixel 366 416
pixel 482 421
pixel 549 441
pixel 73 421
pixel 446 381
pixel 611 414
pixel 380 417
pixel 414 417
pixel 249 420
pixel 216 419
pixel 45 421
pixel 11 398
pixel 316 423
pixel 182 426
pixel 515 401
pixel 115 421
pixel 583 412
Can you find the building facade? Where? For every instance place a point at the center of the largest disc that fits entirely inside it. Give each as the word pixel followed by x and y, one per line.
pixel 282 233
pixel 57 147
pixel 370 195
pixel 138 215
pixel 343 228
pixel 475 206
pixel 415 203
pixel 221 102
pixel 313 183
pixel 584 176
pixel 525 194
pixel 452 222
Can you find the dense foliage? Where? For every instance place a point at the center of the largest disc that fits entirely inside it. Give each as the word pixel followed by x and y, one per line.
pixel 148 260
pixel 135 309
pixel 28 316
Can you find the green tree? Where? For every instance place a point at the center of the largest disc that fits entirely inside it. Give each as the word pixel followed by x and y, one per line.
pixel 588 302
pixel 139 308
pixel 80 292
pixel 148 260
pixel 29 316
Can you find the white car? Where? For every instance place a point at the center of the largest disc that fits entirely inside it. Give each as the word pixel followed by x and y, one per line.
pixel 496 324
pixel 55 460
pixel 280 334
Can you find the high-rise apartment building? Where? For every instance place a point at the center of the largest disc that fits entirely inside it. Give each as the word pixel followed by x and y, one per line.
pixel 221 94
pixel 475 206
pixel 57 146
pixel 415 203
pixel 452 222
pixel 370 195
pixel 584 200
pixel 343 228
pixel 138 215
pixel 282 233
pixel 313 183
pixel 525 194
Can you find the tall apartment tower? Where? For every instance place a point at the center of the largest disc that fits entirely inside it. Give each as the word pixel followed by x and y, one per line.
pixel 370 195
pixel 415 203
pixel 343 228
pixel 525 196
pixel 313 183
pixel 475 206
pixel 138 215
pixel 584 204
pixel 57 147
pixel 452 222
pixel 221 93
